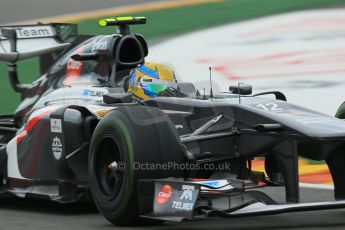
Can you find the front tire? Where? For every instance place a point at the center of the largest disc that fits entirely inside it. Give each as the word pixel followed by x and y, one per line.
pixel 131 136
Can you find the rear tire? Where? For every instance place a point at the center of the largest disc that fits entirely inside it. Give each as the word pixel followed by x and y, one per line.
pixel 132 135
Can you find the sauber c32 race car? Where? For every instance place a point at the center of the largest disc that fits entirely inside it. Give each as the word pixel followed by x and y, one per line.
pixel 78 135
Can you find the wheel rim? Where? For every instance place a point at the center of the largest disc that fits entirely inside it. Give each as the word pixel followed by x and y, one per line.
pixel 109 181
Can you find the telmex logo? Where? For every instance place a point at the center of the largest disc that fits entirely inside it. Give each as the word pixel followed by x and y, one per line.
pixel 164 195
pixel 33 32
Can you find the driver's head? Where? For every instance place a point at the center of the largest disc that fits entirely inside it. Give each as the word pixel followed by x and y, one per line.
pixel 151 80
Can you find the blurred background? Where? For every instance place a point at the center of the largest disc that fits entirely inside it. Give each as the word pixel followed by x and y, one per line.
pixel 295 46
pixel 166 19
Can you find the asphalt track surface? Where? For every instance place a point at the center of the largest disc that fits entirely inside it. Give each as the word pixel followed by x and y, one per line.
pixel 42 215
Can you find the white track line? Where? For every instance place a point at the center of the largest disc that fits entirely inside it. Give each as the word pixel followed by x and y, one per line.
pixel 317 186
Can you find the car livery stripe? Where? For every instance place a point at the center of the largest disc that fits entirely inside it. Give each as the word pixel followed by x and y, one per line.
pixel 32 122
pixel 21 136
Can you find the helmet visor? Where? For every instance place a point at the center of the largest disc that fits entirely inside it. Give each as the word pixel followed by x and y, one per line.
pixel 153 88
pixel 156 86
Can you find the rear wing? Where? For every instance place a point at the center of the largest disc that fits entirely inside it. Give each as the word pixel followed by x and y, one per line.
pixel 27 41
pixel 46 41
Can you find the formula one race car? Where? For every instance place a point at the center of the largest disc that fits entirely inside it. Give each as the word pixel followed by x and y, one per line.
pixel 78 135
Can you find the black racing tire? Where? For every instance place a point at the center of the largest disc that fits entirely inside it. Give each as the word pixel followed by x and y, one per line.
pixel 132 135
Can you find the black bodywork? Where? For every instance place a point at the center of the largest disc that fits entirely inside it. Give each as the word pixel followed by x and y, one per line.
pixel 89 79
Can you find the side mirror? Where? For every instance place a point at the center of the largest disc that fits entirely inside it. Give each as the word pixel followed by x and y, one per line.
pixel 277 94
pixel 242 89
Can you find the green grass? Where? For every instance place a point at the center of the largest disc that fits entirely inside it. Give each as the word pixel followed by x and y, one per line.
pixel 170 22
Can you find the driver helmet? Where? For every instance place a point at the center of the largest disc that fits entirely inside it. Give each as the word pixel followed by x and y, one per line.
pixel 151 80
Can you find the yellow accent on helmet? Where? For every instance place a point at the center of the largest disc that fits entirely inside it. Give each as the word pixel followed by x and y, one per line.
pixel 149 79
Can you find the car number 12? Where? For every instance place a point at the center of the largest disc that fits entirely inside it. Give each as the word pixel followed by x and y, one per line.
pixel 269 107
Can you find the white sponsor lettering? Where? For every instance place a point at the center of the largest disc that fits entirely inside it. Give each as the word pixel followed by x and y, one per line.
pixel 33 32
pixel 182 205
pixel 57 148
pixel 164 195
pixel 73 65
pixel 99 46
pixel 92 93
pixel 55 125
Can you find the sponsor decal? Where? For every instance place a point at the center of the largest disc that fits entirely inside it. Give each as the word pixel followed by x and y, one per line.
pixel 186 206
pixel 74 65
pixel 164 195
pixel 55 125
pixel 99 46
pixel 186 198
pixel 74 68
pixel 175 198
pixel 92 93
pixel 57 148
pixel 33 32
pixel 187 192
pixel 102 113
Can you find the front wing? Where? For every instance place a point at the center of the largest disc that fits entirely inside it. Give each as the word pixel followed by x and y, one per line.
pixel 178 200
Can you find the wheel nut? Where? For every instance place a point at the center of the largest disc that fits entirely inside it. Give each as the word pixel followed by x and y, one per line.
pixel 113 166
